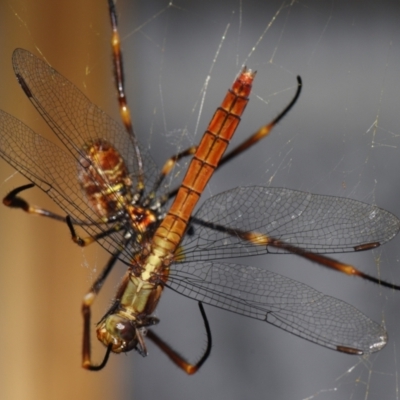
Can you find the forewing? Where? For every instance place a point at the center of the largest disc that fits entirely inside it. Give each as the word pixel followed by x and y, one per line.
pixel 321 224
pixel 55 172
pixel 72 116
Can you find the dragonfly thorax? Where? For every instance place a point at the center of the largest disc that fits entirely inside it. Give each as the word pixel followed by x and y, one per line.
pixel 104 178
pixel 142 219
pixel 125 325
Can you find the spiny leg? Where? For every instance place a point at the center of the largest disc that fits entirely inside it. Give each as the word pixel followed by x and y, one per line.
pixel 119 81
pixel 252 140
pixel 331 262
pixel 263 240
pixel 88 300
pixel 264 130
pixel 83 242
pixel 14 201
pixel 168 165
pixel 176 358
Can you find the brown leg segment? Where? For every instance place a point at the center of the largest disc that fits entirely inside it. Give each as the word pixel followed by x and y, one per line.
pixel 260 239
pixel 330 263
pixel 170 163
pixel 253 139
pixel 88 300
pixel 263 131
pixel 119 81
pixel 14 201
pixel 175 357
pixel 83 242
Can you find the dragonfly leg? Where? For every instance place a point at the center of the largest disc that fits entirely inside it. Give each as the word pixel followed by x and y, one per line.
pixel 88 300
pixel 170 163
pixel 252 140
pixel 263 240
pixel 119 81
pixel 126 117
pixel 260 239
pixel 263 131
pixel 14 201
pixel 82 242
pixel 176 358
pixel 332 263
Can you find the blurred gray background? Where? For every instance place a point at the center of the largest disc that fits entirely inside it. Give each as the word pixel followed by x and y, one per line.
pixel 341 139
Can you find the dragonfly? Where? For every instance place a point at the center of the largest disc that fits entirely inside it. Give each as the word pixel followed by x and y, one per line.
pixel 107 184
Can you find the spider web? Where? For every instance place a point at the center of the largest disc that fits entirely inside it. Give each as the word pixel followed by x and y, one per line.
pixel 340 139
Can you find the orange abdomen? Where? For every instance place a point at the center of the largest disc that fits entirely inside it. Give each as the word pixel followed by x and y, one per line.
pixel 208 154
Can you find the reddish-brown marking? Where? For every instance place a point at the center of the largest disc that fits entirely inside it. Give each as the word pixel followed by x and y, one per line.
pixel 141 218
pixel 104 178
pixel 367 246
pixel 349 350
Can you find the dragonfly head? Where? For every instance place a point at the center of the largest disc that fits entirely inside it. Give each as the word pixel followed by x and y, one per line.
pixel 122 333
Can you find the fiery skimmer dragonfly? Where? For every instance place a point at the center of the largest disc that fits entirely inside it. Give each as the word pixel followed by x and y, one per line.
pixel 108 184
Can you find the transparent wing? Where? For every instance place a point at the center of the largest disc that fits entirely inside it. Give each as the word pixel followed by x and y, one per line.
pixel 280 301
pixel 76 121
pixel 72 116
pixel 321 224
pixel 55 172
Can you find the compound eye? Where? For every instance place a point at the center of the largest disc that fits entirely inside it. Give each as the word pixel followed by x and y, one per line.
pixel 120 328
pixel 125 330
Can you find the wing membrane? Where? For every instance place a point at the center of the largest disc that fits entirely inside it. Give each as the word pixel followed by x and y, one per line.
pixel 55 172
pixel 321 224
pixel 280 301
pixel 71 115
